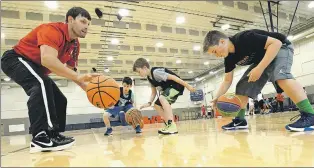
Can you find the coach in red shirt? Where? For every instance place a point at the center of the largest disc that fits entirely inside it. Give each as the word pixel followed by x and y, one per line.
pixel 46 49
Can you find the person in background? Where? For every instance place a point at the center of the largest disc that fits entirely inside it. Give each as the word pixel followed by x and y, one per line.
pixel 203 111
pixel 280 98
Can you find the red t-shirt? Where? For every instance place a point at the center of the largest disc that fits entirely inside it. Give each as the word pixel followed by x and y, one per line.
pixel 203 110
pixel 55 35
pixel 280 97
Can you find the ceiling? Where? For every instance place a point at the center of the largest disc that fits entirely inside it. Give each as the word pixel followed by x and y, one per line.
pixel 149 23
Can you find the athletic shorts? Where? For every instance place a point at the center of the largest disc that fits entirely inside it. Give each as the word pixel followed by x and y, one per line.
pixel 279 68
pixel 170 94
pixel 115 110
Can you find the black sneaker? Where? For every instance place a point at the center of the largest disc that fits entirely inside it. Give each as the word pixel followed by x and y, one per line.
pixel 66 137
pixel 43 143
pixel 304 123
pixel 60 136
pixel 236 123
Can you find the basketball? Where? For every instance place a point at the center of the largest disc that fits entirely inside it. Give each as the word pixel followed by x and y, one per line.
pixel 103 92
pixel 134 117
pixel 228 105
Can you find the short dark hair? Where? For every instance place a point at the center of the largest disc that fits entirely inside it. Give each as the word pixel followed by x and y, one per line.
pixel 127 80
pixel 212 38
pixel 140 63
pixel 75 11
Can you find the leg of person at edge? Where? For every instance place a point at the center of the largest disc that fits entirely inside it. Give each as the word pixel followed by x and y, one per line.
pixel 251 106
pixel 171 87
pixel 247 109
pixel 125 103
pixel 44 50
pixel 275 105
pixel 261 103
pixel 280 100
pixel 270 56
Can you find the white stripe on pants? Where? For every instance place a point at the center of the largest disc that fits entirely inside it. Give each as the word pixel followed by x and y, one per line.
pixel 42 88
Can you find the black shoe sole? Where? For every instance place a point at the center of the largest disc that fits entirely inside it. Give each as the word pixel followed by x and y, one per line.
pixel 235 128
pixel 167 133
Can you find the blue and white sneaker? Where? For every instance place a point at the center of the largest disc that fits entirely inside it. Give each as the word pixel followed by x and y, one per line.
pixel 108 132
pixel 304 123
pixel 236 123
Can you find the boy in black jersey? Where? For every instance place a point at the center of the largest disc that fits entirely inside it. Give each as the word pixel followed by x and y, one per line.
pixel 171 87
pixel 125 103
pixel 270 56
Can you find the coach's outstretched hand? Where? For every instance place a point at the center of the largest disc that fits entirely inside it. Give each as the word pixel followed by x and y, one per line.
pixel 86 77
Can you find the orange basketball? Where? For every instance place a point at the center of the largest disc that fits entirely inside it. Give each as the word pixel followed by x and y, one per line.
pixel 103 92
pixel 229 105
pixel 134 117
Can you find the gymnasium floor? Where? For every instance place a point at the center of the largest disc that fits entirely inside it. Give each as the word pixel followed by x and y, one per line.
pixel 199 143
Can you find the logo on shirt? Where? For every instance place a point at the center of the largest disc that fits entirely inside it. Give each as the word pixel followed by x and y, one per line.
pixel 247 59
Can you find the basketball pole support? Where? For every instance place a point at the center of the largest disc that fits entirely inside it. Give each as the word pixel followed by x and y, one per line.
pixel 293 18
pixel 272 27
pixel 271 15
pixel 270 4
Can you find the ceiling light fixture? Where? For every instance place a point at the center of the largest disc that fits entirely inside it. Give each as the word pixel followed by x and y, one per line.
pixel 196 47
pixel 114 41
pixel 225 27
pixel 123 12
pixel 180 19
pixel 110 58
pixel 311 4
pixel 51 4
pixel 159 44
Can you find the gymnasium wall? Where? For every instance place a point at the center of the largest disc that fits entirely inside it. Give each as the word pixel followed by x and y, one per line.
pixel 14 112
pixel 302 69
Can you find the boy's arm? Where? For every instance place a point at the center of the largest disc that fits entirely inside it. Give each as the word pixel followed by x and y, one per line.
pixel 181 82
pixel 272 47
pixel 153 95
pixel 151 99
pixel 225 85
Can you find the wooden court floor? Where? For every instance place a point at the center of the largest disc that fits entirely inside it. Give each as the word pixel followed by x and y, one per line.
pixel 199 143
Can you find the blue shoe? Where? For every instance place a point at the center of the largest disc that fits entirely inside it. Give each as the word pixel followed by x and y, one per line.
pixel 138 129
pixel 304 123
pixel 108 132
pixel 236 123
